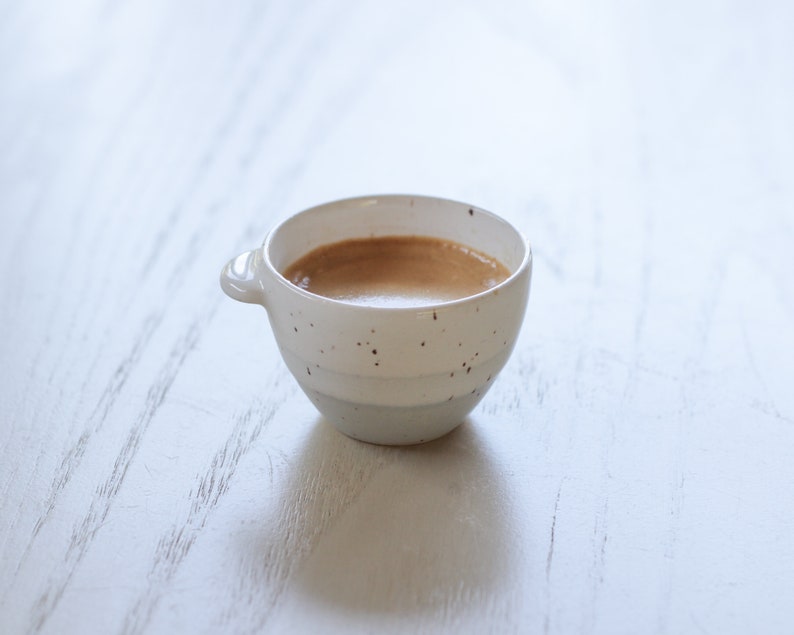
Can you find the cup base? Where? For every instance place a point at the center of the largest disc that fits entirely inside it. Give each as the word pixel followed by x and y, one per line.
pixel 390 425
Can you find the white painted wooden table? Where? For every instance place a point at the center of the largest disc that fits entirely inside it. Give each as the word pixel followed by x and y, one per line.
pixel 632 471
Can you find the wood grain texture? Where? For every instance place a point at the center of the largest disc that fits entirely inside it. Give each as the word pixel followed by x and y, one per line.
pixel 629 472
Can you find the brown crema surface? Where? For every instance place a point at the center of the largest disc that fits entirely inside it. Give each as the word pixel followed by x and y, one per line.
pixel 396 271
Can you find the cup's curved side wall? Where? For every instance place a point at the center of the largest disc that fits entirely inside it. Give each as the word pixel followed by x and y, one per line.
pixel 448 338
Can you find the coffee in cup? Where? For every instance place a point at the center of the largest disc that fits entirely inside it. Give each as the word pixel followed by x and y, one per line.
pixel 396 271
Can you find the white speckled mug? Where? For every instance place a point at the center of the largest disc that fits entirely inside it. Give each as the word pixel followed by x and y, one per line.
pixel 392 376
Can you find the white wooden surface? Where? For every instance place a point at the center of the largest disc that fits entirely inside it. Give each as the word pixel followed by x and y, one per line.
pixel 632 470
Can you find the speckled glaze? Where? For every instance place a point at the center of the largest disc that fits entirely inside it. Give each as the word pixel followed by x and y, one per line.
pixel 391 376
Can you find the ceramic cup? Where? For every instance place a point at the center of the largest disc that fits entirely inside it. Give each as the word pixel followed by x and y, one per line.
pixel 392 376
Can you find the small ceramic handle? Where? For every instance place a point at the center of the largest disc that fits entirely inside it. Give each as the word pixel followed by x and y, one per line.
pixel 239 280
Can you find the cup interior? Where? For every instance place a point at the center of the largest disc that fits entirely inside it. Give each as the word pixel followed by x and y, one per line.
pixel 395 215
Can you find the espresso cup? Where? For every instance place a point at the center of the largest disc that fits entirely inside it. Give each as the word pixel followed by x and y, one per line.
pixel 389 375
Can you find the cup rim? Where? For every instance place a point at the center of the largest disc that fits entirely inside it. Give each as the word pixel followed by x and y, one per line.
pixel 264 249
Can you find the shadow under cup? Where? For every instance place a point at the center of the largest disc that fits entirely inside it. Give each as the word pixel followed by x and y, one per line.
pixel 381 374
